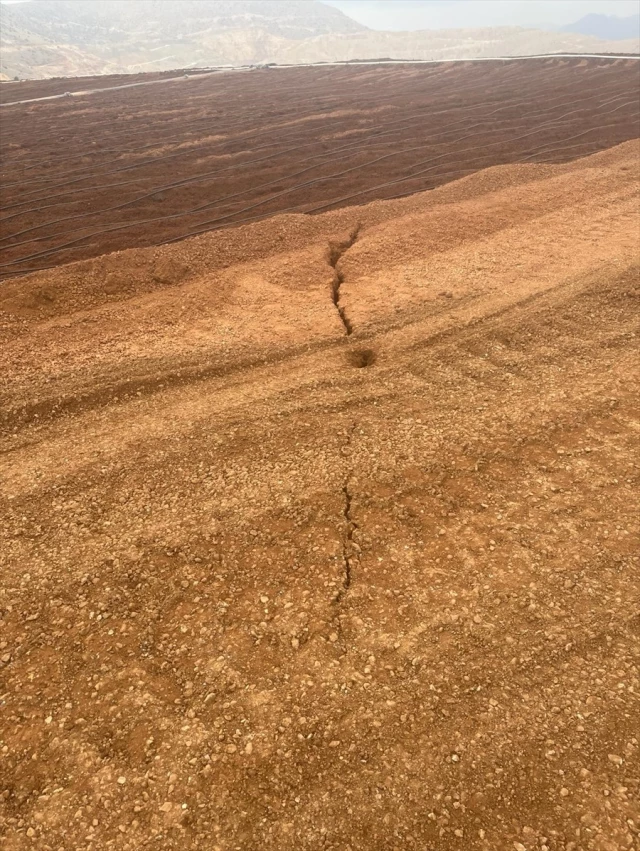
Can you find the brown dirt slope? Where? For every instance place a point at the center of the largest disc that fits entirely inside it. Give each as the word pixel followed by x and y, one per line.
pixel 319 532
pixel 95 173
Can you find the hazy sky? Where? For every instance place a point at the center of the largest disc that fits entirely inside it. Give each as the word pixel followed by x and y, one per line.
pixel 434 14
pixel 437 14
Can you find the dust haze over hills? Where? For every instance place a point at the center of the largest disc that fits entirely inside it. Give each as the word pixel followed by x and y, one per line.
pixel 45 38
pixel 606 27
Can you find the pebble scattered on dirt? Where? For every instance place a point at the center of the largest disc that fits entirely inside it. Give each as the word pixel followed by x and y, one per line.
pixel 256 597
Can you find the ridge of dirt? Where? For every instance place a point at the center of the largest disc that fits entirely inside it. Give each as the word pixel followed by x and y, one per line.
pixel 320 531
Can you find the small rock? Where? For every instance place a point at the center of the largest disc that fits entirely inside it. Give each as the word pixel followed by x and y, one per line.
pixel 166 807
pixel 122 780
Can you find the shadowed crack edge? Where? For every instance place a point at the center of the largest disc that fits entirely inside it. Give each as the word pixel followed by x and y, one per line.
pixel 337 250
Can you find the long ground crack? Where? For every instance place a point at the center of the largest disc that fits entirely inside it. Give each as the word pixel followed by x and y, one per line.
pixel 350 548
pixel 336 251
pixel 350 551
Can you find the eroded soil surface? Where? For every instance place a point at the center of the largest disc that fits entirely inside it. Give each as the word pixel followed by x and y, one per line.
pixel 141 166
pixel 321 532
pixel 13 91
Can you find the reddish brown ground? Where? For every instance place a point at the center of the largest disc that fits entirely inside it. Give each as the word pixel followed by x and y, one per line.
pixel 86 175
pixel 13 91
pixel 269 585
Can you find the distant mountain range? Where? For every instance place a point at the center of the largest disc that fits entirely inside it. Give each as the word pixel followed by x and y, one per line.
pixel 51 38
pixel 45 38
pixel 606 27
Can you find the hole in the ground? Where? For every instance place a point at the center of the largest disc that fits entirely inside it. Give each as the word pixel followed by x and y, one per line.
pixel 361 358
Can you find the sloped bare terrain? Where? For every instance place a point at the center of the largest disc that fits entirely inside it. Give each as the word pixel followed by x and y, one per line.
pixel 149 164
pixel 320 532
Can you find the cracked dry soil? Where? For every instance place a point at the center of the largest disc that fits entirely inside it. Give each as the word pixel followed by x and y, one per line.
pixel 336 251
pixel 255 596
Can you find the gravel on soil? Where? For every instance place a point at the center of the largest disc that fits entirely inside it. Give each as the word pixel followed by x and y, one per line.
pixel 266 584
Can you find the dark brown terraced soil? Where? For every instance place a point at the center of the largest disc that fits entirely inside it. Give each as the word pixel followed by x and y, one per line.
pixel 92 174
pixel 26 89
